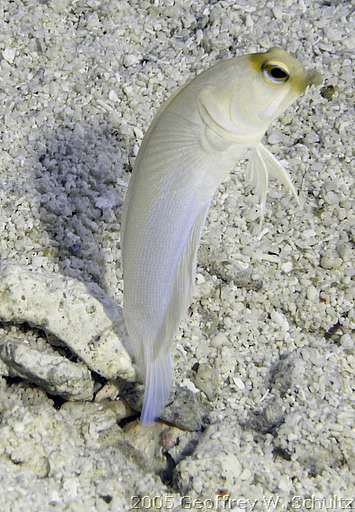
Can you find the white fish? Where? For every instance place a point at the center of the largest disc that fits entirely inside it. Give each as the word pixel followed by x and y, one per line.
pixel 198 135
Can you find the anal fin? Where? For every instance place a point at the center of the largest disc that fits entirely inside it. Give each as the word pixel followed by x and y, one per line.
pixel 157 358
pixel 158 376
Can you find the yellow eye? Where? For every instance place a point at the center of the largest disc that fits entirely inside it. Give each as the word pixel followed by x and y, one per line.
pixel 275 73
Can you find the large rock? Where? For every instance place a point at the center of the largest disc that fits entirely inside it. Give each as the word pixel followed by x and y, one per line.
pixel 53 372
pixel 70 310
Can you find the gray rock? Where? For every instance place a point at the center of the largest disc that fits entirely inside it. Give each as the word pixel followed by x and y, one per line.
pixel 328 92
pixel 68 309
pixel 133 393
pixel 51 371
pixel 344 250
pixel 329 261
pixel 96 416
pixel 206 379
pixel 214 465
pixel 4 369
pixel 146 440
pixel 54 454
pixel 109 391
pixel 185 411
pixel 9 54
pixel 130 60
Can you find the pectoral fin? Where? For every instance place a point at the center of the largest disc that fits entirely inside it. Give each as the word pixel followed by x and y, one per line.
pixel 259 177
pixel 276 170
pixel 263 164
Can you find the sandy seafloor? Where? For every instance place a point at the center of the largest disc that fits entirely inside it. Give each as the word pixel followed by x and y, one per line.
pixel 269 331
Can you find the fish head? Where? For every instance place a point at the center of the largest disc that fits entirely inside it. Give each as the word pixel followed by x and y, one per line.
pixel 272 81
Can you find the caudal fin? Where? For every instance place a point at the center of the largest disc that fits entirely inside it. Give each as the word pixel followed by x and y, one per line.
pixel 158 377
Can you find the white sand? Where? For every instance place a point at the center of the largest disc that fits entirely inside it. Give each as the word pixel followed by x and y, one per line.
pixel 80 82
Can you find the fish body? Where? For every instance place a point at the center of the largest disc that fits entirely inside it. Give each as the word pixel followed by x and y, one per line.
pixel 196 138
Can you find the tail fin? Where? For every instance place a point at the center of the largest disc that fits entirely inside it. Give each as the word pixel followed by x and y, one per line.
pixel 158 378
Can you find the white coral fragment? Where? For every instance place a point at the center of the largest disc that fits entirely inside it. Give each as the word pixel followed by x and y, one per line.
pixel 68 309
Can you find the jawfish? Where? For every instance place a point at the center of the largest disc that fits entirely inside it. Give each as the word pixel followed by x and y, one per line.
pixel 197 137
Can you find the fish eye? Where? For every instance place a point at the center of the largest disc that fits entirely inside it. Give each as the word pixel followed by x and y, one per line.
pixel 275 73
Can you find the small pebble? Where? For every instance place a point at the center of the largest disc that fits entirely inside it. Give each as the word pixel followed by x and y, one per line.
pixel 328 92
pixel 220 340
pixel 347 342
pixel 286 267
pixel 169 438
pixel 280 319
pixel 206 379
pixel 113 96
pixel 108 392
pixel 138 132
pixel 130 60
pixel 331 197
pixel 329 261
pixel 275 137
pixel 344 251
pixel 239 383
pixel 9 55
pixel 312 293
